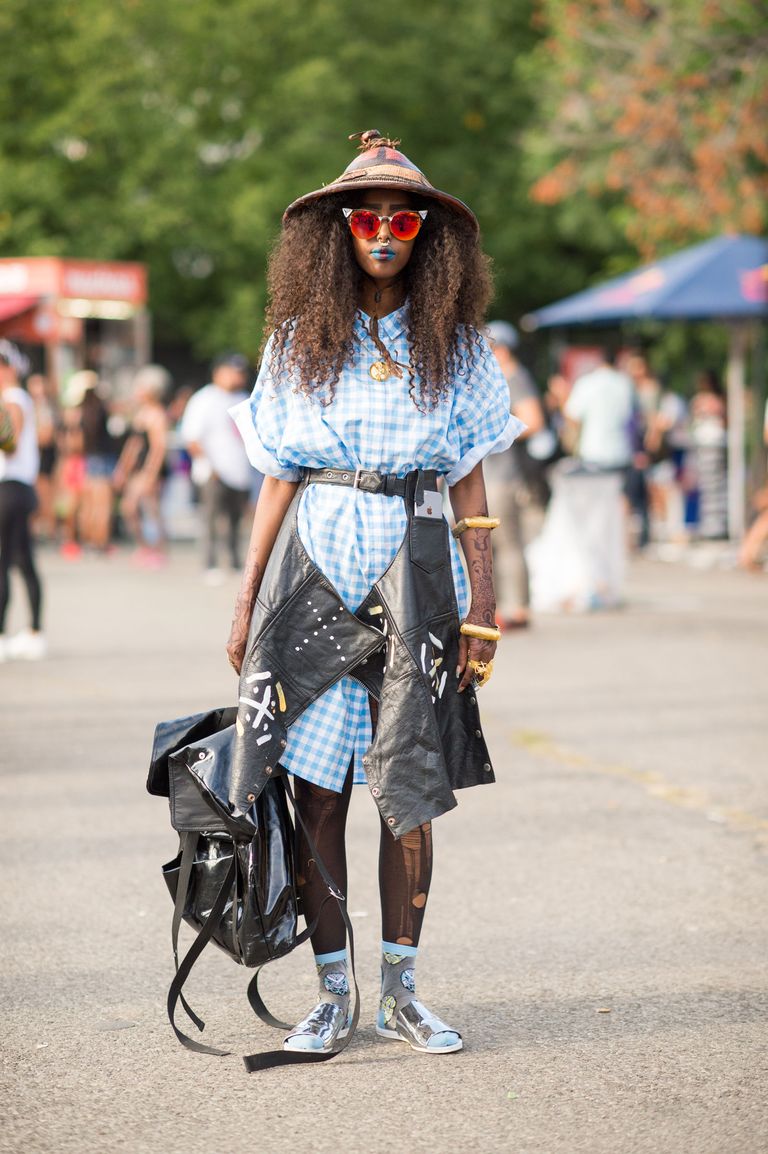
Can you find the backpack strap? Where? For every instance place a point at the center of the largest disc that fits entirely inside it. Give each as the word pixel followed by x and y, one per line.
pixel 189 842
pixel 194 952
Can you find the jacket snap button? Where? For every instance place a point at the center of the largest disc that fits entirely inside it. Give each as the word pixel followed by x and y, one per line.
pixel 201 756
pixel 283 743
pixel 251 797
pixel 478 733
pixel 390 821
pixel 345 476
pixel 366 761
pixel 267 768
pixel 487 767
pixel 376 791
pixel 473 701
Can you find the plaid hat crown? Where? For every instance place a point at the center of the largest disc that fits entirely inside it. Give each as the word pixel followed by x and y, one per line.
pixel 380 164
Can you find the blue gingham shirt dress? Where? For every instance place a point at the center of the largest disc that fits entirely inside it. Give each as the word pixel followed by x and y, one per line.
pixel 351 535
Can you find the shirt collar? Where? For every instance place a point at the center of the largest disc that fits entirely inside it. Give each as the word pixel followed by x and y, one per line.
pixel 391 327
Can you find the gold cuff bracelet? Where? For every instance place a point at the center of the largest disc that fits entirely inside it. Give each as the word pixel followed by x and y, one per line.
pixel 480 632
pixel 475 523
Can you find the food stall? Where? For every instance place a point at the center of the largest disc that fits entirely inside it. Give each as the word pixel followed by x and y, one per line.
pixel 74 314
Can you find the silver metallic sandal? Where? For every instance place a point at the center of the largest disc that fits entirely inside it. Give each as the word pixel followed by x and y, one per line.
pixel 417 1026
pixel 327 1023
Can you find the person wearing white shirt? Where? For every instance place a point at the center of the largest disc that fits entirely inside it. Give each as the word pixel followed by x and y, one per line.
pixel 220 464
pixel 602 404
pixel 18 501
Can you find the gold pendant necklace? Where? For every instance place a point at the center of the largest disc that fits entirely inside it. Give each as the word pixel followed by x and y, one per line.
pixel 379 370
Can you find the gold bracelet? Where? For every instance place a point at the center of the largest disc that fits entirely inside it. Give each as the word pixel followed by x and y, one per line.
pixel 480 632
pixel 475 523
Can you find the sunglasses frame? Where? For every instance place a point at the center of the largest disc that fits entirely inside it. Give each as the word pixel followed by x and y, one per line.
pixel 422 212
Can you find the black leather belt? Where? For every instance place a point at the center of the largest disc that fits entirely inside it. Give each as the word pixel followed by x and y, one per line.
pixel 370 481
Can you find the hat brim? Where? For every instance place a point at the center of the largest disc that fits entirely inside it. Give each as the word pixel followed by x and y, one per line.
pixel 406 184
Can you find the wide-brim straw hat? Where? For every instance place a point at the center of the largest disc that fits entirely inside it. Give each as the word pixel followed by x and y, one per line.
pixel 381 165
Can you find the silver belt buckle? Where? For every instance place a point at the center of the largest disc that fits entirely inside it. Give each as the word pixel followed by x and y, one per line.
pixel 360 479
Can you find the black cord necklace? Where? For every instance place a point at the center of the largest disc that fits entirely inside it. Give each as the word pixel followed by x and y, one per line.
pixel 387 367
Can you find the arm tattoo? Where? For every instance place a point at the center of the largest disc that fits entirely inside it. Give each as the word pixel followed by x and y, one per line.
pixel 246 597
pixel 481 577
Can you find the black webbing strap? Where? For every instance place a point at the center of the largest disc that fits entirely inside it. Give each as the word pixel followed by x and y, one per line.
pixel 189 843
pixel 254 997
pixel 275 1058
pixel 194 952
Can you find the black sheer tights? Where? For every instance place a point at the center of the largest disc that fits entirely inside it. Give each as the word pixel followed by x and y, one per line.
pixel 405 870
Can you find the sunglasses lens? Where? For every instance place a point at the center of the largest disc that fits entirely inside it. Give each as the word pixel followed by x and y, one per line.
pixel 364 224
pixel 405 225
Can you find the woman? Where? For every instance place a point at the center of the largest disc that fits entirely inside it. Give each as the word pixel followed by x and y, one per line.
pixel 141 469
pixel 374 383
pixel 18 501
pixel 45 420
pixel 98 449
pixel 709 439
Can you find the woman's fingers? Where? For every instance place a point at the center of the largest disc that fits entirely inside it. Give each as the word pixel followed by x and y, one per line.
pixel 477 651
pixel 463 651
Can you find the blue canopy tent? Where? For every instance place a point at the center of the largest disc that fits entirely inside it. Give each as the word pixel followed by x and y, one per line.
pixel 724 279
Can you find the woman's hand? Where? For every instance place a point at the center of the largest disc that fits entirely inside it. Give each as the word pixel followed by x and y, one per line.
pixel 473 649
pixel 238 640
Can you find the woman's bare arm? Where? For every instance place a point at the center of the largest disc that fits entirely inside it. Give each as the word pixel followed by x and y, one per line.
pixel 157 436
pixel 468 499
pixel 274 499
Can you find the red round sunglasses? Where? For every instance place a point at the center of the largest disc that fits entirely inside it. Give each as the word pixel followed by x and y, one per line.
pixel 404 225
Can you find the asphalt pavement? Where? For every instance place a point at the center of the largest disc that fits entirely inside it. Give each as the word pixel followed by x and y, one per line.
pixel 596 930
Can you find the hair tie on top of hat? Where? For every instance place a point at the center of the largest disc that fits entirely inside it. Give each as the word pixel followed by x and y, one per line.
pixel 372 138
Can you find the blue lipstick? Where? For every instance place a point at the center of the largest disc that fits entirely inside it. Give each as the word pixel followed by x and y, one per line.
pixel 383 254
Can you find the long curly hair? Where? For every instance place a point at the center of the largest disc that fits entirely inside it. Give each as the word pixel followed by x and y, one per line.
pixel 315 285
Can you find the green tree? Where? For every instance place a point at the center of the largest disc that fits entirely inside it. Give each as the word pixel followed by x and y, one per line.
pixel 653 114
pixel 176 134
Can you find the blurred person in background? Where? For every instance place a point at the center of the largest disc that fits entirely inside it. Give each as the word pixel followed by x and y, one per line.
pixel 709 452
pixel 601 410
pixel 141 467
pixel 94 516
pixel 46 418
pixel 579 559
pixel 220 465
pixel 18 501
pixel 515 483
pixel 662 423
pixel 753 544
pixel 69 478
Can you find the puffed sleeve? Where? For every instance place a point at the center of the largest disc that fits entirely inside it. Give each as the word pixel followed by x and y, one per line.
pixel 261 421
pixel 481 422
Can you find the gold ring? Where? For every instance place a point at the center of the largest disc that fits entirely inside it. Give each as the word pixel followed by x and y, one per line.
pixel 482 671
